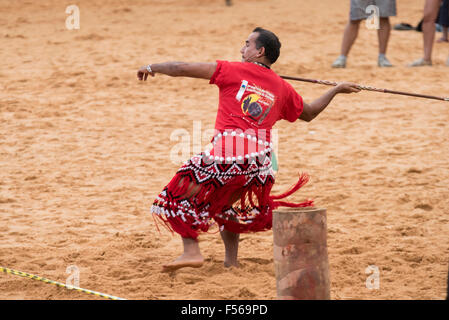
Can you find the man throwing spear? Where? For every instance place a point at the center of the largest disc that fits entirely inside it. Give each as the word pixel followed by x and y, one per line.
pixel 231 183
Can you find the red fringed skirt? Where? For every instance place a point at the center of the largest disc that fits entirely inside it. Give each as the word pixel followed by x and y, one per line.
pixel 233 192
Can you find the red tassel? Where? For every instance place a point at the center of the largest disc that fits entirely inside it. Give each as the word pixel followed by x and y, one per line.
pixel 156 223
pixel 303 179
pixel 308 203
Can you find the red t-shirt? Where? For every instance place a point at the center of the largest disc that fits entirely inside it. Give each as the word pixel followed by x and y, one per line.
pixel 253 97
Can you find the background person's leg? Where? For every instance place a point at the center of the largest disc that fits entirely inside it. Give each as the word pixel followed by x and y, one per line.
pixel 383 34
pixel 349 36
pixel 357 13
pixel 431 8
pixel 443 20
pixel 443 35
pixel 430 15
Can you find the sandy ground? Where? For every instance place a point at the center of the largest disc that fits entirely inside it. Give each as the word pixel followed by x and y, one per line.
pixel 85 148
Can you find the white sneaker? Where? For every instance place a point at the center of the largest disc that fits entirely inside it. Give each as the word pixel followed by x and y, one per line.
pixel 339 63
pixel 383 62
pixel 420 63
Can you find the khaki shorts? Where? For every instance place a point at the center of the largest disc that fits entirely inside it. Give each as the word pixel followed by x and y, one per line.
pixel 387 8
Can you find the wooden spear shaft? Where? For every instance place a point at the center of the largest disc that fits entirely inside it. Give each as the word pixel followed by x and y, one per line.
pixel 368 88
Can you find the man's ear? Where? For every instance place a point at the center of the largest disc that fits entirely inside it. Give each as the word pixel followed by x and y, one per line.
pixel 261 52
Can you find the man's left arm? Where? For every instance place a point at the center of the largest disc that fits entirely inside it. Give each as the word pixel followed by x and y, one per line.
pixel 313 109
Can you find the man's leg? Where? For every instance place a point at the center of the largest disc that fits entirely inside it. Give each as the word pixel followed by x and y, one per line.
pixel 349 37
pixel 443 36
pixel 384 34
pixel 231 239
pixel 191 257
pixel 231 243
pixel 443 20
pixel 428 28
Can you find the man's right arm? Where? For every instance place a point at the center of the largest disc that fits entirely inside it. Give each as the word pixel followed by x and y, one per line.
pixel 179 69
pixel 313 109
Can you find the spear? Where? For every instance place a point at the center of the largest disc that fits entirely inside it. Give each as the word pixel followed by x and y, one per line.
pixel 59 284
pixel 368 88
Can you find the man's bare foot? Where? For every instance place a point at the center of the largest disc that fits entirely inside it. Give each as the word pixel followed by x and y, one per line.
pixel 193 261
pixel 442 40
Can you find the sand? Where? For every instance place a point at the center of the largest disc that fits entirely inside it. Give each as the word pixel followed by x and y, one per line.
pixel 85 148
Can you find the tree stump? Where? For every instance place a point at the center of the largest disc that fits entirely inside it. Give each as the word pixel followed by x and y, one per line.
pixel 300 254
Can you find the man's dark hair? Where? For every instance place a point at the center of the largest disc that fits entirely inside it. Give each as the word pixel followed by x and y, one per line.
pixel 270 42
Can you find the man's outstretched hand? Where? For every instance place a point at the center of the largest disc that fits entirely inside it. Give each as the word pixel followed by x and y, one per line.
pixel 142 73
pixel 347 87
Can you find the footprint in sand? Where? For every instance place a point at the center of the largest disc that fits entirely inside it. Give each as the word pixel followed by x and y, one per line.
pixel 424 206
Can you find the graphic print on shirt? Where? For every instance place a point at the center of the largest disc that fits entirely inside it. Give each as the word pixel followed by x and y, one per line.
pixel 256 102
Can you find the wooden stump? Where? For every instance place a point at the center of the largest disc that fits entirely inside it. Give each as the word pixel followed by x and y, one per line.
pixel 300 254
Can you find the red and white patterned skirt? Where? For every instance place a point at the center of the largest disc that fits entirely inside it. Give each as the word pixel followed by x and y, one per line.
pixel 227 186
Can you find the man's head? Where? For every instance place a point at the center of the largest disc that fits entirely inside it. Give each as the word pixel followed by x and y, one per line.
pixel 262 45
